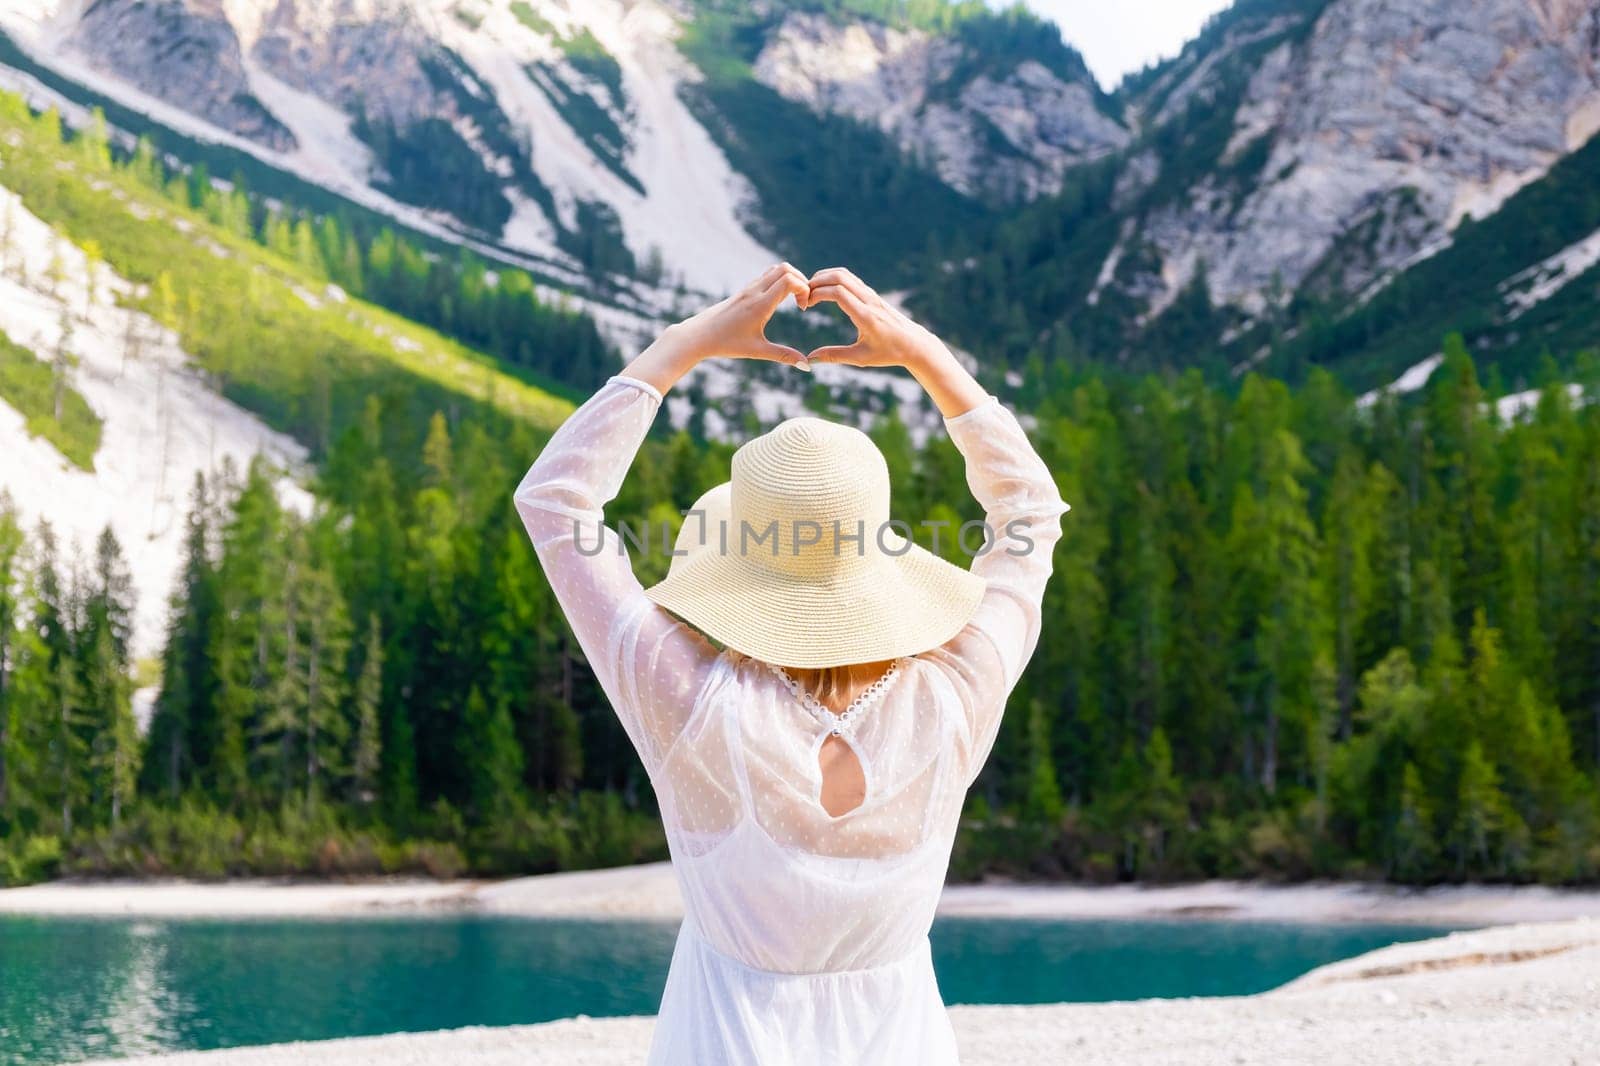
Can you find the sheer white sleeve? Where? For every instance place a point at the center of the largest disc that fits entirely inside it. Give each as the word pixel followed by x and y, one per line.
pixel 1023 509
pixel 650 664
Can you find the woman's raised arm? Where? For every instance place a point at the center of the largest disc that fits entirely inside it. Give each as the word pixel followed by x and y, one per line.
pixel 650 665
pixel 1022 507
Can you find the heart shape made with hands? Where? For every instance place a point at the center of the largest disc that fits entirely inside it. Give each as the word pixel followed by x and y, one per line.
pixel 882 330
pixel 737 325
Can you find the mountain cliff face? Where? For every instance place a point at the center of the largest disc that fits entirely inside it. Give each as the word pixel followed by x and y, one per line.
pixel 184 52
pixel 1362 132
pixel 1298 156
pixel 368 59
pixel 1295 190
pixel 1009 130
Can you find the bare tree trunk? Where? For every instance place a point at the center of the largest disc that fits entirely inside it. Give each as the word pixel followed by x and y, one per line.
pixel 174 758
pixel 1269 754
pixel 116 788
pixel 311 723
pixel 66 773
pixel 5 734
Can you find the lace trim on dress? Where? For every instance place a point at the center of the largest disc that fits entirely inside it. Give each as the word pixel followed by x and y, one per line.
pixel 839 724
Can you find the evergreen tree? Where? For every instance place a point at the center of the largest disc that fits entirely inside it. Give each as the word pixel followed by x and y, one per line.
pixel 325 642
pixel 1480 814
pixel 1460 485
pixel 184 729
pixel 1273 547
pixel 1043 801
pixel 302 715
pixel 1350 532
pixel 12 576
pixel 247 645
pixel 1367 771
pixel 63 771
pixel 110 731
pixel 1163 814
pixel 489 748
pixel 524 649
pixel 366 757
pixel 1414 851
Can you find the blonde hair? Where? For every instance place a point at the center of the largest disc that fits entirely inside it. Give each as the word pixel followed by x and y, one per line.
pixel 834 686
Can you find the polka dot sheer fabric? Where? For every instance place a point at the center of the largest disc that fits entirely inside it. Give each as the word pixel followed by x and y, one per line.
pixel 805 937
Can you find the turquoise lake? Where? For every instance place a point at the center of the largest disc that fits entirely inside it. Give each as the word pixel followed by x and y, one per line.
pixel 72 989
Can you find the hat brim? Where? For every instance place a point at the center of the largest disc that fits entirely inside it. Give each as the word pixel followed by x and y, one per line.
pixel 900 605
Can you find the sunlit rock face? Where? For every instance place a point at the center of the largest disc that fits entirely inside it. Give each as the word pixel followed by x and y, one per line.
pixel 367 56
pixel 1010 131
pixel 1362 139
pixel 184 52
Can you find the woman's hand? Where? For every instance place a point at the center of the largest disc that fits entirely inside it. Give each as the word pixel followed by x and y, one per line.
pixel 734 328
pixel 885 336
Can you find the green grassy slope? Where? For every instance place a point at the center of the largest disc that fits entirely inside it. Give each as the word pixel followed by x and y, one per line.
pixel 263 178
pixel 29 385
pixel 304 357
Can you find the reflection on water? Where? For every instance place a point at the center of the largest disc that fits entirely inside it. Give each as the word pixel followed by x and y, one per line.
pixel 139 1008
pixel 79 988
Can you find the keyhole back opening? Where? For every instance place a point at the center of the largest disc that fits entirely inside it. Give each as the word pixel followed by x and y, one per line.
pixel 844 783
pixel 841 775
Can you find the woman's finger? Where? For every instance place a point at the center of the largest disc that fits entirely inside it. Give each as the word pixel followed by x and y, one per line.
pixel 766 277
pixel 848 354
pixel 802 299
pixel 843 277
pixel 779 353
pixel 851 304
pixel 784 285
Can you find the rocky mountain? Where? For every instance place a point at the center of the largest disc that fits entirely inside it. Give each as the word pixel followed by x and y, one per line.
pixel 1294 161
pixel 179 52
pixel 1293 184
pixel 568 134
pixel 1006 130
pixel 1361 133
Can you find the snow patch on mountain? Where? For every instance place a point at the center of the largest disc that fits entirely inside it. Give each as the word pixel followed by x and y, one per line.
pixel 1517 404
pixel 695 202
pixel 326 150
pixel 1531 287
pixel 1411 380
pixel 162 422
pixel 689 214
pixel 1508 408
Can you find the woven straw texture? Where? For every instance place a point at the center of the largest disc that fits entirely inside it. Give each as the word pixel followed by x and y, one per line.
pixel 795 562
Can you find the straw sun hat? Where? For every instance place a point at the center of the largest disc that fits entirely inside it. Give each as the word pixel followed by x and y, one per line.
pixel 793 561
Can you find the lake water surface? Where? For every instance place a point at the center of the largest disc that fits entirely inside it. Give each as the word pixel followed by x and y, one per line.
pixel 75 988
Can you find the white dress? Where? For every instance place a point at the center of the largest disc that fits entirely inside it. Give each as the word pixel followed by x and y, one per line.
pixel 805 939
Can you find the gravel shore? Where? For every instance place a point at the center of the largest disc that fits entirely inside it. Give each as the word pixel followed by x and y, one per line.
pixel 650 891
pixel 1520 995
